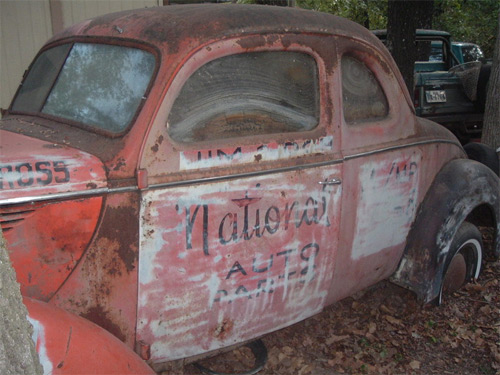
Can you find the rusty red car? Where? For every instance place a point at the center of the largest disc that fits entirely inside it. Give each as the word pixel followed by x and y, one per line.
pixel 190 178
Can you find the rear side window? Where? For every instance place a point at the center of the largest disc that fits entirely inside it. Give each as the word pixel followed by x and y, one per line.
pixel 363 97
pixel 247 94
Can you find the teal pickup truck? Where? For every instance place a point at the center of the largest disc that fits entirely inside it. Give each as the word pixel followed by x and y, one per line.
pixel 467 52
pixel 450 82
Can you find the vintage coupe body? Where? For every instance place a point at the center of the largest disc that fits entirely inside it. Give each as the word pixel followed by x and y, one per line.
pixel 194 177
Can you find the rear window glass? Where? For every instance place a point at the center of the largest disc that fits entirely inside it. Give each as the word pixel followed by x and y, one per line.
pixel 98 85
pixel 363 97
pixel 247 94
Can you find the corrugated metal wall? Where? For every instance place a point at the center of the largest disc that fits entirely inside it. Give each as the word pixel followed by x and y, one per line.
pixel 25 25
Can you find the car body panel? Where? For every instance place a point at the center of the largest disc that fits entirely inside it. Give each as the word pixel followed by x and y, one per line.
pixel 68 344
pixel 53 234
pixel 49 168
pixel 467 185
pixel 193 245
pixel 244 257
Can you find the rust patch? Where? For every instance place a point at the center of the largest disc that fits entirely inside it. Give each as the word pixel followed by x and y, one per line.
pixel 224 329
pixel 120 219
pixel 100 317
pixel 251 43
pixel 119 164
pixel 106 259
pixel 115 252
pixel 258 157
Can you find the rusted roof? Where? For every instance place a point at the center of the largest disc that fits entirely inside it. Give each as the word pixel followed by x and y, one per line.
pixel 169 25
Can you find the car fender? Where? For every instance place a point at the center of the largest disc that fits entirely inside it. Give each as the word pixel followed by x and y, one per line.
pixel 69 344
pixel 461 186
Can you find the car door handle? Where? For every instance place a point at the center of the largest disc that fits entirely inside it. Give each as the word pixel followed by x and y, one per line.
pixel 333 181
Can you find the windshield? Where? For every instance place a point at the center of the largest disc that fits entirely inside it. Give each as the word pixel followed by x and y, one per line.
pixel 98 85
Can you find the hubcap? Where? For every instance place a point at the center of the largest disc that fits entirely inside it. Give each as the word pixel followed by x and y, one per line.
pixel 455 275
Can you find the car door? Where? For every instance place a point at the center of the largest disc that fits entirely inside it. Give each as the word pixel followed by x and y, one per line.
pixel 382 168
pixel 240 218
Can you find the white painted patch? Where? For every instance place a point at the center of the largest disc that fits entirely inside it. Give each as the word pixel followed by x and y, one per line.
pixel 38 338
pixel 387 204
pixel 182 313
pixel 280 152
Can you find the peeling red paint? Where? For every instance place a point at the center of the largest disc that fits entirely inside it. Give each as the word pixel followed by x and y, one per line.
pixel 181 248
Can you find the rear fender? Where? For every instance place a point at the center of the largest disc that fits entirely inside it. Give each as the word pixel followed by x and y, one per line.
pixel 69 344
pixel 460 187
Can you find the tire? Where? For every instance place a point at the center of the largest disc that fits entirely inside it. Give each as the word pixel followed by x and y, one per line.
pixel 482 87
pixel 483 154
pixel 464 259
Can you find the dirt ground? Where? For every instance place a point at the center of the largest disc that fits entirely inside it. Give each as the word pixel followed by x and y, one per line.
pixel 385 331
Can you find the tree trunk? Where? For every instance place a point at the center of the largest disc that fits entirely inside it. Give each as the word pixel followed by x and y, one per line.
pixel 401 26
pixel 17 350
pixel 425 14
pixel 491 123
pixel 366 22
pixel 403 18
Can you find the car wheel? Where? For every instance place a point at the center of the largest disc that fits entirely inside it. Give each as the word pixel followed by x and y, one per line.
pixel 464 260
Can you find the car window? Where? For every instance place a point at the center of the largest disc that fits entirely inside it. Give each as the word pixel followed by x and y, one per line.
pixel 247 94
pixel 471 53
pixel 94 84
pixel 363 97
pixel 430 50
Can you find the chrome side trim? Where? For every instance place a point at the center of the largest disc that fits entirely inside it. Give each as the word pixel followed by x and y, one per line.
pixel 57 196
pixel 242 175
pixel 126 189
pixel 298 167
pixel 392 148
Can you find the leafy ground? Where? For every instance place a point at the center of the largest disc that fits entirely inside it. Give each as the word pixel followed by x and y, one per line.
pixel 385 331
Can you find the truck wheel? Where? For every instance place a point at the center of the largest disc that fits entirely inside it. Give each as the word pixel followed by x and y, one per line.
pixel 483 154
pixel 464 260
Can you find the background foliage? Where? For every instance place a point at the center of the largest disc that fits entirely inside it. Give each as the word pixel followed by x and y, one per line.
pixel 472 21
pixel 469 21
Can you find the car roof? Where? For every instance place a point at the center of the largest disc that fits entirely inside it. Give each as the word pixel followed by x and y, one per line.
pixel 178 30
pixel 168 26
pixel 468 44
pixel 419 32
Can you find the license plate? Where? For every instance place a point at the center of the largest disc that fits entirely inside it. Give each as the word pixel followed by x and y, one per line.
pixel 435 96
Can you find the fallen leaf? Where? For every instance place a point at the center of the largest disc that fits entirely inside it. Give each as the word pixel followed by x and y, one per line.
pixel 415 365
pixel 393 320
pixel 372 327
pixel 333 339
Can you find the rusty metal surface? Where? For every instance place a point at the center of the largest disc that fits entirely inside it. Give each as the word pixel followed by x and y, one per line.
pixel 47 240
pixel 177 32
pixel 103 287
pixel 68 344
pixel 243 257
pixel 31 167
pixel 459 188
pixel 187 248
